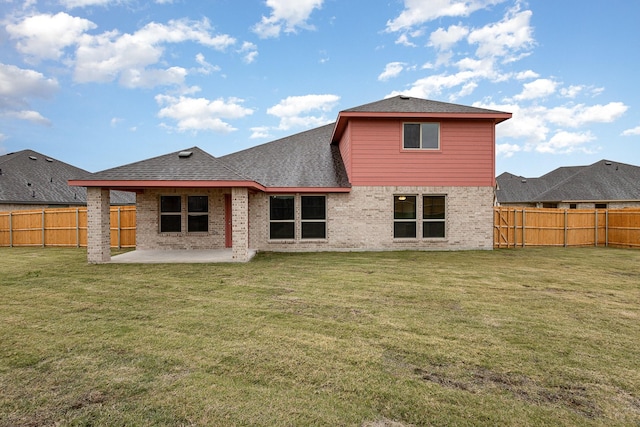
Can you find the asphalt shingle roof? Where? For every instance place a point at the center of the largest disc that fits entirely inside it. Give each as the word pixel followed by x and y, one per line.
pixel 28 177
pixel 405 104
pixel 306 159
pixel 602 181
pixel 198 166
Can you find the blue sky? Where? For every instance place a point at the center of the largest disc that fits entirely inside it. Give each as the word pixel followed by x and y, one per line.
pixel 101 83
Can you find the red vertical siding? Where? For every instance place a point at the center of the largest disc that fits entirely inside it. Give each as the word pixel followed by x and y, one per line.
pixel 376 157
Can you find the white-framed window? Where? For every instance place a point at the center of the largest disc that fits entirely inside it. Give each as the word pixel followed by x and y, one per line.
pixel 421 136
pixel 404 217
pixel 433 216
pixel 313 219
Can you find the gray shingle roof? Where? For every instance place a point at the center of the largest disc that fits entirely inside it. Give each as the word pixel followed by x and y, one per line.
pixel 602 181
pixel 198 166
pixel 28 177
pixel 405 104
pixel 306 159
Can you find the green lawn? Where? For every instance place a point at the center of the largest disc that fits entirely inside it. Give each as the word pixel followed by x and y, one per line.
pixel 507 337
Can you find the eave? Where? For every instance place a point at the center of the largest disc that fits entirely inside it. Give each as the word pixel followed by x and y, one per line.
pixel 139 185
pixel 344 117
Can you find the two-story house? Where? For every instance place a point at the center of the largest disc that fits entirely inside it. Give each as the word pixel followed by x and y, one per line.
pixel 400 173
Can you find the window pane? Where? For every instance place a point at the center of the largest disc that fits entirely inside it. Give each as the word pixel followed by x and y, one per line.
pixel 430 135
pixel 433 229
pixel 404 207
pixel 170 204
pixel 282 230
pixel 197 223
pixel 411 135
pixel 313 230
pixel 170 224
pixel 313 207
pixel 281 208
pixel 404 229
pixel 433 207
pixel 198 203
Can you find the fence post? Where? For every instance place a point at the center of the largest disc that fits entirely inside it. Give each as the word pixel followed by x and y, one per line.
pixel 566 217
pixel 515 228
pixel 524 226
pixel 119 228
pixel 606 228
pixel 77 227
pixel 596 227
pixel 10 229
pixel 43 229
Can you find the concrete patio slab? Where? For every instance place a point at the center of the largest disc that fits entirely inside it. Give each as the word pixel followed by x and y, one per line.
pixel 176 256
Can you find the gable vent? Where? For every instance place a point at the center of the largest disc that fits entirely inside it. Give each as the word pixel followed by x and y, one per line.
pixel 185 154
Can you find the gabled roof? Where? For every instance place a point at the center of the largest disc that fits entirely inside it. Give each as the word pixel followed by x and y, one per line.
pixel 301 162
pixel 602 181
pixel 28 177
pixel 407 107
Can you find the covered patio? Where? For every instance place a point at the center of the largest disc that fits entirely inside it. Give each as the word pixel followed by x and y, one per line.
pixel 159 256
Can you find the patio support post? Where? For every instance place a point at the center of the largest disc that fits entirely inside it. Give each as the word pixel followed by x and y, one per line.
pixel 98 225
pixel 240 223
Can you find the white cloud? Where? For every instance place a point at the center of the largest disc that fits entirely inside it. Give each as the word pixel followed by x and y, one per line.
pixel 571 91
pixel 579 115
pixel 197 114
pixel 17 87
pixel 417 12
pixel 110 55
pixel 287 16
pixel 293 111
pixel 261 132
pixel 503 39
pixel 537 89
pixel 632 132
pixel 391 70
pixel 28 115
pixel 70 4
pixel 19 84
pixel 526 75
pixel 45 36
pixel 507 150
pixel 564 142
pixel 250 52
pixel 443 39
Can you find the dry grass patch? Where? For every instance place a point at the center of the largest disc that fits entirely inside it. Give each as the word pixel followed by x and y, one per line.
pixel 508 337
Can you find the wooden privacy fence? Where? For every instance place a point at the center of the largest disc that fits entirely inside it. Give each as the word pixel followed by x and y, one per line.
pixel 64 227
pixel 520 227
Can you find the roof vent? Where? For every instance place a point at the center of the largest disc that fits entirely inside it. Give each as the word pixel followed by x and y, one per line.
pixel 33 157
pixel 607 163
pixel 523 180
pixel 48 159
pixel 185 154
pixel 405 97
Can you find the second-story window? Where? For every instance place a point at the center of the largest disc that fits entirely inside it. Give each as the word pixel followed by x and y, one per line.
pixel 425 136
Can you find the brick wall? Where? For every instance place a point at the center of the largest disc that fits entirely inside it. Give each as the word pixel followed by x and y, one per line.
pixel 363 220
pixel 148 234
pixel 98 232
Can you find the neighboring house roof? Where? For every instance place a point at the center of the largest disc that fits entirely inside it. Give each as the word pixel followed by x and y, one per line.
pixel 602 181
pixel 28 177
